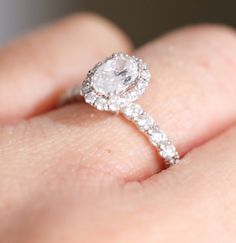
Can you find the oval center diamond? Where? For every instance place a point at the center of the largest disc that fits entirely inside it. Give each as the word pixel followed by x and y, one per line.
pixel 115 75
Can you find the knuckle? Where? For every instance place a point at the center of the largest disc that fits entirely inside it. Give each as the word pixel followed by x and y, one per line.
pixel 215 40
pixel 90 21
pixel 210 48
pixel 104 28
pixel 215 32
pixel 211 28
pixel 85 17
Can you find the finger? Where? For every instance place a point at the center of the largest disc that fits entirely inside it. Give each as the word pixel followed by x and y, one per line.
pixel 193 73
pixel 67 149
pixel 36 68
pixel 198 195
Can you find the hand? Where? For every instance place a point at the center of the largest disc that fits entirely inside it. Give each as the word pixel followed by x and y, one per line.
pixel 75 174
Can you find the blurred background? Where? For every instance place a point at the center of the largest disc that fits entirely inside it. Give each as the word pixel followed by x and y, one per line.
pixel 142 19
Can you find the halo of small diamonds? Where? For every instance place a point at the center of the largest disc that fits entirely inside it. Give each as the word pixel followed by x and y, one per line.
pixel 130 82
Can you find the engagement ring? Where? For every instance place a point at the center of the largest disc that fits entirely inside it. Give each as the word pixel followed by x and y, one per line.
pixel 114 85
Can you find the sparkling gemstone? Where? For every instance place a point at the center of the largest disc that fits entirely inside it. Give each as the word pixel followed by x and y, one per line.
pixel 132 111
pixel 85 89
pixel 157 136
pixel 90 97
pixel 146 75
pixel 168 151
pixel 142 85
pixel 144 121
pixel 133 95
pixel 114 103
pixel 101 103
pixel 115 75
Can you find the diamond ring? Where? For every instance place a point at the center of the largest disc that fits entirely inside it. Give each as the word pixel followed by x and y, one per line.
pixel 114 85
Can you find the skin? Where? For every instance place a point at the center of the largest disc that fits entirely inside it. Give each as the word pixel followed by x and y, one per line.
pixel 74 174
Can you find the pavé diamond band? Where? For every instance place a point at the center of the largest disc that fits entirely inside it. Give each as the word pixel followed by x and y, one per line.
pixel 114 85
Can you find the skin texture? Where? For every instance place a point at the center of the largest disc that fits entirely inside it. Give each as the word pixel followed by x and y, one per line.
pixel 75 174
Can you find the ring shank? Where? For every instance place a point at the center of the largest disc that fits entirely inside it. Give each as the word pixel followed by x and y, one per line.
pixel 144 122
pixel 71 95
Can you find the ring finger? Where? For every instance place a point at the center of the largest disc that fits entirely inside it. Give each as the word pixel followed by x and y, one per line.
pixel 191 96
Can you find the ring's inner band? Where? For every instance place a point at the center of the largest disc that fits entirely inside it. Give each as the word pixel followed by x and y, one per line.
pixel 71 95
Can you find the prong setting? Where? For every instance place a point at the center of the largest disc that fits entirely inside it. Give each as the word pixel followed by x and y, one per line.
pixel 130 93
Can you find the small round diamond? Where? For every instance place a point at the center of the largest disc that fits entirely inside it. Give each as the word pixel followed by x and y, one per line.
pixel 168 151
pixel 101 103
pixel 143 65
pixel 132 111
pixel 157 136
pixel 85 89
pixel 90 97
pixel 114 103
pixel 132 96
pixel 144 121
pixel 145 74
pixel 142 85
